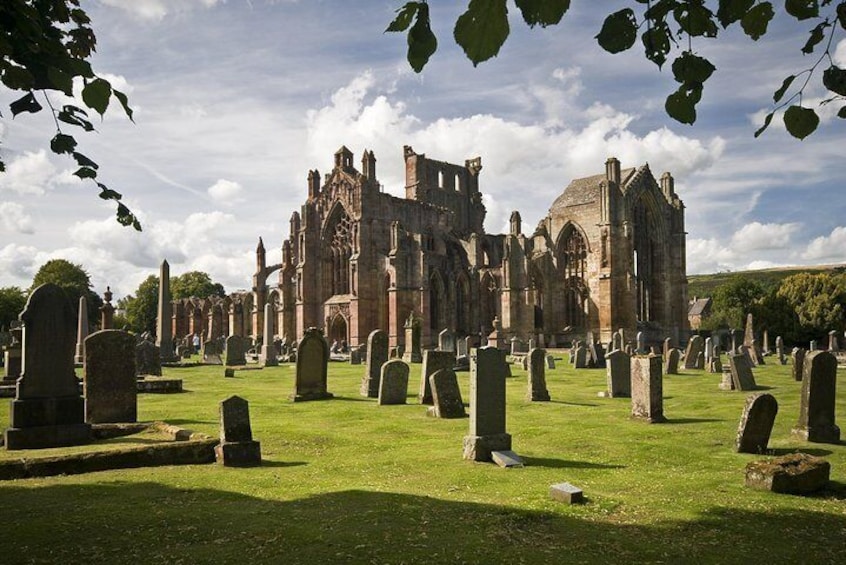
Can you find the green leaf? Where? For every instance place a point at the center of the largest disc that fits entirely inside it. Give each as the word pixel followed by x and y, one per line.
pixel 817 35
pixel 86 173
pixel 422 43
pixel 767 120
pixel 482 29
pixel 681 105
pixel 26 103
pixel 656 43
pixel 778 94
pixel 841 14
pixel 695 19
pixel 543 12
pixel 834 79
pixel 62 143
pixel 60 80
pixel 17 78
pixel 730 11
pixel 84 161
pixel 756 20
pixel 96 95
pixel 619 31
pixel 107 193
pixel 404 17
pixel 802 9
pixel 124 102
pixel 842 113
pixel 127 218
pixel 800 122
pixel 75 116
pixel 690 68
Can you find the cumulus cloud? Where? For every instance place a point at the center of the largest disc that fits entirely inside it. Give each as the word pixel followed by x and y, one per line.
pixel 29 173
pixel 226 192
pixel 756 236
pixel 158 9
pixel 828 248
pixel 14 218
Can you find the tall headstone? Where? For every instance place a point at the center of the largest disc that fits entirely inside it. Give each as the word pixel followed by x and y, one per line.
pixel 813 345
pixel 833 346
pixel 48 410
pixel 537 376
pixel 597 355
pixel 377 355
pixel 81 330
pixel 412 353
pixel 312 367
pixel 111 390
pixel 618 373
pixel 616 341
pixel 741 372
pixel 235 351
pixel 237 447
pixel 107 311
pixel 798 355
pixel 756 423
pixel 671 366
pixel 446 396
pixel 641 343
pixel 749 331
pixel 766 344
pixel 647 389
pixel 393 382
pixel 446 340
pixel 433 361
pixel 819 392
pixel 691 354
pixel 12 357
pixel 668 345
pixel 779 344
pixel 487 407
pixel 164 330
pixel 148 359
pixel 268 356
pixel 580 358
pixel 709 349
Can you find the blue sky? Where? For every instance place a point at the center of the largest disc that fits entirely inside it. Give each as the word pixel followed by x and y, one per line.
pixel 236 101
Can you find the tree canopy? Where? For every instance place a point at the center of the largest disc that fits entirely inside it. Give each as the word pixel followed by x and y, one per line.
pixel 667 29
pixel 194 283
pixel 12 302
pixel 45 47
pixel 74 280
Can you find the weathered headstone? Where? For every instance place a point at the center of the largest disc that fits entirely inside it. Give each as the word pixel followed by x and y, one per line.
pixel 148 359
pixel 111 390
pixel 691 354
pixel 795 473
pixel 355 356
pixel 164 331
pixel 672 364
pixel 487 407
pixel 48 410
pixel 716 364
pixel 412 352
pixel 550 362
pixel 779 343
pixel 757 353
pixel 813 345
pixel 235 351
pixel 798 356
pixel 237 447
pixel 12 357
pixel 816 408
pixel 377 355
pixel 81 330
pixel 647 389
pixel 462 348
pixel 641 343
pixel 749 331
pixel 433 361
pixel 709 349
pixel 212 352
pixel 446 396
pixel 580 358
pixel 268 356
pixel 766 345
pixel 312 367
pixel 756 423
pixel 537 376
pixel 668 345
pixel 446 340
pixel 597 355
pixel 393 382
pixel 741 372
pixel 618 374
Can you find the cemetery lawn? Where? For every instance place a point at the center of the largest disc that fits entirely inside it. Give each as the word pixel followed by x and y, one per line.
pixel 347 481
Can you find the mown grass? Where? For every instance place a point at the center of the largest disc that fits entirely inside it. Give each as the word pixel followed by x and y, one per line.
pixel 345 480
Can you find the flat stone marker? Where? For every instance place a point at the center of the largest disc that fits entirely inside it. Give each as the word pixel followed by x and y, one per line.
pixel 229 373
pixel 565 492
pixel 377 355
pixel 312 367
pixel 537 376
pixel 816 406
pixel 236 447
pixel 111 390
pixel 618 374
pixel 647 389
pixel 487 407
pixel 446 396
pixel 506 459
pixel 756 423
pixel 393 383
pixel 796 473
pixel 433 361
pixel 741 372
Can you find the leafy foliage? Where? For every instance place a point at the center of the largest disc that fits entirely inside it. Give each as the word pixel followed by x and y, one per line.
pixel 12 302
pixel 44 49
pixel 74 280
pixel 818 300
pixel 195 283
pixel 483 28
pixel 141 309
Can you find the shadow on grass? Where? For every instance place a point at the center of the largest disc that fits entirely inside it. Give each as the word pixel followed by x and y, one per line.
pixel 572 403
pixel 352 398
pixel 564 464
pixel 809 450
pixel 181 422
pixel 150 522
pixel 277 464
pixel 692 420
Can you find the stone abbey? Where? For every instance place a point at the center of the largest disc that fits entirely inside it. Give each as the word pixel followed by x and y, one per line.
pixel 609 255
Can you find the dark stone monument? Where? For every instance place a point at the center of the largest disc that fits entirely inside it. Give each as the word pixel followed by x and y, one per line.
pixel 312 367
pixel 235 351
pixel 12 356
pixel 741 372
pixel 798 355
pixel 111 390
pixel 164 330
pixel 647 389
pixel 446 396
pixel 618 373
pixel 694 347
pixel 756 423
pixel 48 410
pixel 580 358
pixel 487 407
pixel 148 359
pixel 446 341
pixel 393 384
pixel 816 408
pixel 211 352
pixel 672 364
pixel 237 447
pixel 537 376
pixel 377 355
pixel 433 361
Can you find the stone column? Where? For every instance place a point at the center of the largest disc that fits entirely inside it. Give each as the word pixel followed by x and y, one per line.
pixel 164 331
pixel 81 330
pixel 268 350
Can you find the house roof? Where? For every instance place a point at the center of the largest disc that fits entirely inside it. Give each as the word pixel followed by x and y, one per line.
pixel 698 307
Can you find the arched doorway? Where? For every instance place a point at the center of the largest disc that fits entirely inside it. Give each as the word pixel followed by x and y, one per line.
pixel 338 330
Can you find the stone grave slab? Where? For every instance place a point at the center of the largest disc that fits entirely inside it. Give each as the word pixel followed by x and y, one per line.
pixel 446 396
pixel 393 382
pixel 756 423
pixel 111 390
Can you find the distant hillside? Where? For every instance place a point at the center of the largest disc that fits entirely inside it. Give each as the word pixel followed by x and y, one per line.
pixel 704 285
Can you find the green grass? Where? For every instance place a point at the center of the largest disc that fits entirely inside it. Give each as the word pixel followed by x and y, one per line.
pixel 345 480
pixel 704 285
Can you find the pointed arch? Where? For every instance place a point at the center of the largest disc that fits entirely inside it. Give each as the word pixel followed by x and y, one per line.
pixel 649 242
pixel 488 299
pixel 571 257
pixel 338 238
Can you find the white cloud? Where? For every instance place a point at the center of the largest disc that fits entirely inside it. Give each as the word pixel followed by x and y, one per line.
pixel 14 218
pixel 30 173
pixel 157 9
pixel 226 192
pixel 839 56
pixel 829 249
pixel 757 236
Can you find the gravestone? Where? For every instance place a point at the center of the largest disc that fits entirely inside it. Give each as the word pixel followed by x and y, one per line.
pixel 487 407
pixel 237 447
pixel 312 367
pixel 412 352
pixel 616 342
pixel 462 348
pixel 757 354
pixel 433 361
pixel 81 330
pixel 780 350
pixel 355 356
pixel 618 374
pixel 749 331
pixel 709 349
pixel 212 352
pixel 580 360
pixel 640 340
pixel 550 362
pixel 148 359
pixel 269 355
pixel 766 344
pixel 798 356
pixel 446 396
pixel 377 355
pixel 518 346
pixel 235 351
pixel 393 382
pixel 833 346
pixel 672 364
pixel 164 330
pixel 668 345
pixel 111 389
pixel 756 423
pixel 716 365
pixel 813 345
pixel 537 376
pixel 597 355
pixel 816 407
pixel 691 354
pixel 107 311
pixel 647 389
pixel 48 410
pixel 446 340
pixel 741 372
pixel 12 356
